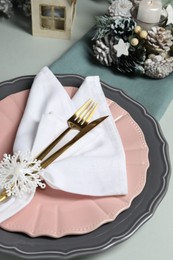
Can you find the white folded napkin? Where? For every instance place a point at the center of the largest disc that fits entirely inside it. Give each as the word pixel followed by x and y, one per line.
pixel 95 165
pixel 13 205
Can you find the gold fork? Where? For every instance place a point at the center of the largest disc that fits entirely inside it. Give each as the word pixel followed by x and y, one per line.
pixel 83 132
pixel 79 120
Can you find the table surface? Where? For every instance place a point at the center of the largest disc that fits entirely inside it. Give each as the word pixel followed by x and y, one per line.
pixel 22 54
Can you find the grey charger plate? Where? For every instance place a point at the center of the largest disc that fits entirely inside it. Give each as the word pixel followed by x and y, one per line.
pixel 129 221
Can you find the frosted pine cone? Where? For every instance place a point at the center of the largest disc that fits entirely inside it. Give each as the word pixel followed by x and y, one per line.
pixel 159 39
pixel 122 28
pixel 120 8
pixel 133 63
pixel 157 66
pixel 102 53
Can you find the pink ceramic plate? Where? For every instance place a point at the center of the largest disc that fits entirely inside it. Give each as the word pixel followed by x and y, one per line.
pixel 56 213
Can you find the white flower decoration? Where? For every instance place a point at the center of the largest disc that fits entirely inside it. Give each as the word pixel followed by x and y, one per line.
pixel 122 48
pixel 19 174
pixel 120 8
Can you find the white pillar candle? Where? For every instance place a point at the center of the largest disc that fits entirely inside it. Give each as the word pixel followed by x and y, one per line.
pixel 149 11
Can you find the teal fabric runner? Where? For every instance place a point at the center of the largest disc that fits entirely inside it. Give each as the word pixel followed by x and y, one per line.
pixel 154 94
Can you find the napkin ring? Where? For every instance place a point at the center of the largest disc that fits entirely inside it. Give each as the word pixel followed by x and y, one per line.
pixel 19 174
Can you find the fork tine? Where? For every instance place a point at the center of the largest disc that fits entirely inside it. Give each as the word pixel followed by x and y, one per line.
pixel 89 114
pixel 85 111
pixel 77 121
pixel 83 107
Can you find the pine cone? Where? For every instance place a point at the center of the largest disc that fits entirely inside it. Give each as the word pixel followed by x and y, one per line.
pixel 120 8
pixel 158 66
pixel 159 39
pixel 122 28
pixel 102 53
pixel 133 63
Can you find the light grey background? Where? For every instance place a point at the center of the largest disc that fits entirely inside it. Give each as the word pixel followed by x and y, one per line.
pixel 22 54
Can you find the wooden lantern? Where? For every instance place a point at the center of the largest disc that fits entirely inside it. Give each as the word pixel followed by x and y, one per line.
pixel 52 18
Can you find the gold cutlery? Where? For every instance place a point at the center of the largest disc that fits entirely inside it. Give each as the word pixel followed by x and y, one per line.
pixel 83 132
pixel 54 156
pixel 79 121
pixel 3 196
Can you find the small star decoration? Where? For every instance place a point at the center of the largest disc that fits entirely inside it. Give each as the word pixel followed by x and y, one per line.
pixel 122 48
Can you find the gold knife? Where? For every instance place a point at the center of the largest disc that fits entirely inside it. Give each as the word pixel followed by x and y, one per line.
pixel 83 132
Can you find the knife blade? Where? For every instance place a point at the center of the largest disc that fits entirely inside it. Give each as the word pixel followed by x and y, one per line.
pixel 83 132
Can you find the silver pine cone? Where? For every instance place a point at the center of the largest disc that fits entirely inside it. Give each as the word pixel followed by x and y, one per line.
pixel 159 39
pixel 158 66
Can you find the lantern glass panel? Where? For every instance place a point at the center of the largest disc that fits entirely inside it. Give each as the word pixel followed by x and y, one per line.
pixel 52 17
